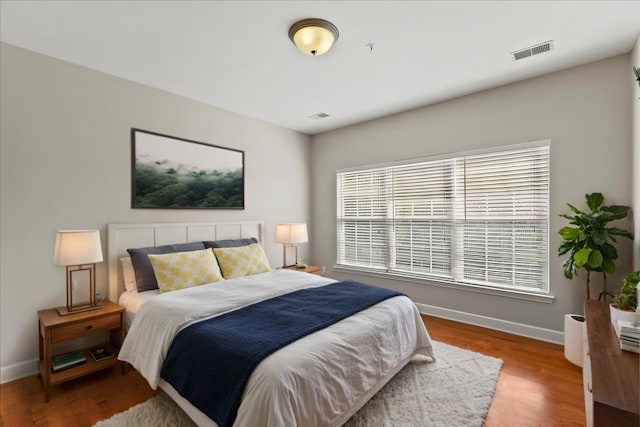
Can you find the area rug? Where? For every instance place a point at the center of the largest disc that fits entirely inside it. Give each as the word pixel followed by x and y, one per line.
pixel 455 390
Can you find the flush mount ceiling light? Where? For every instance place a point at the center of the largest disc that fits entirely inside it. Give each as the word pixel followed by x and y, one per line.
pixel 313 36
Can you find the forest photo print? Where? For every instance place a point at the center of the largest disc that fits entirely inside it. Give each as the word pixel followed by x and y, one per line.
pixel 176 173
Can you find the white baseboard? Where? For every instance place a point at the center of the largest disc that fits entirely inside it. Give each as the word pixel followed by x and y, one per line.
pixel 18 370
pixel 30 367
pixel 521 329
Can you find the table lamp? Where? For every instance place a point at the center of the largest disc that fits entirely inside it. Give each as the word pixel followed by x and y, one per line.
pixel 290 235
pixel 78 250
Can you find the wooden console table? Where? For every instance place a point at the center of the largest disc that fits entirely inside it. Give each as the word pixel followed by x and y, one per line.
pixel 613 380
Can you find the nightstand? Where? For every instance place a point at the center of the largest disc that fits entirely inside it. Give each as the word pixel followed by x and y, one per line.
pixel 311 269
pixel 53 328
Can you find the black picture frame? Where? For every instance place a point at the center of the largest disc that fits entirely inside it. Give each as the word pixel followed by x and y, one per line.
pixel 168 172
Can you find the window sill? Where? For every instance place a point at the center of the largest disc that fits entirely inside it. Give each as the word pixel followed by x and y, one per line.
pixel 516 294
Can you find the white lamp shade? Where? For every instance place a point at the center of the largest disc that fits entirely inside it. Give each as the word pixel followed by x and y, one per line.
pixel 77 247
pixel 291 233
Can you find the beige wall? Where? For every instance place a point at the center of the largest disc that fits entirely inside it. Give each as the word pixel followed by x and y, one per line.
pixel 65 164
pixel 584 111
pixel 635 60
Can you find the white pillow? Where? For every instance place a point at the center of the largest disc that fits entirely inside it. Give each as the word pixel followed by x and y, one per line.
pixel 128 274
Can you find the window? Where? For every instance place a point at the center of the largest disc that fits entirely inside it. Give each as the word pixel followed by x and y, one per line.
pixel 479 218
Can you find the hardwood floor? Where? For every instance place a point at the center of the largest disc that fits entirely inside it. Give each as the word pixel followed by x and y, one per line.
pixel 537 386
pixel 79 403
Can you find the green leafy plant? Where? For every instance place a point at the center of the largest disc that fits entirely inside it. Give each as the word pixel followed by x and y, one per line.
pixel 627 297
pixel 588 240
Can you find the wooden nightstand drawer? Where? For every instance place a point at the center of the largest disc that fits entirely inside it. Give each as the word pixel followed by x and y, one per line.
pixel 86 327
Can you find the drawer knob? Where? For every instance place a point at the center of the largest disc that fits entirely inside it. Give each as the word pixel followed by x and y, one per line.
pixel 90 327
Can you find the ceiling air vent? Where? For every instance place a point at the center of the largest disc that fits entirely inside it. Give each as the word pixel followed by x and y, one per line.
pixel 533 50
pixel 318 116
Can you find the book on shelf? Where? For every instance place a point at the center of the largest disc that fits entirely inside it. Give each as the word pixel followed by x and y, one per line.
pixel 100 353
pixel 67 361
pixel 629 347
pixel 629 328
pixel 629 336
pixel 630 340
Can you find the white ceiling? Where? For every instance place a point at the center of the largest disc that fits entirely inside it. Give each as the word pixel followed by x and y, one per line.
pixel 237 55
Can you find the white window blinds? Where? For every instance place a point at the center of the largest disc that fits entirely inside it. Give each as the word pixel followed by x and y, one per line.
pixel 480 219
pixel 363 206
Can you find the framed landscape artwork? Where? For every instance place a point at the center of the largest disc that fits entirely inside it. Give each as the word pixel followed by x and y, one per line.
pixel 176 173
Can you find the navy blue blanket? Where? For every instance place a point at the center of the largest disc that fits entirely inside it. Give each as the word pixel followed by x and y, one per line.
pixel 210 362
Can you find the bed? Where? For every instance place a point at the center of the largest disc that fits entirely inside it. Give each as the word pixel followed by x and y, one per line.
pixel 321 379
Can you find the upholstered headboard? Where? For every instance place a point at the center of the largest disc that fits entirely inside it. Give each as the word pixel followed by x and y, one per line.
pixel 121 237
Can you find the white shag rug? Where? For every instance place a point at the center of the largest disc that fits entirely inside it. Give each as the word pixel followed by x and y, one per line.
pixel 456 390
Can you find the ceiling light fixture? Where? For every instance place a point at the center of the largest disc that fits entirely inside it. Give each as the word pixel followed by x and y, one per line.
pixel 313 36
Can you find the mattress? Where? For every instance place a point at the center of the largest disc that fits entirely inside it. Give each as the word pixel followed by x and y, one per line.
pixel 131 301
pixel 321 379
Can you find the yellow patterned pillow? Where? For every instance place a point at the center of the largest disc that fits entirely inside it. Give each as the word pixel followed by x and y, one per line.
pixel 242 260
pixel 179 270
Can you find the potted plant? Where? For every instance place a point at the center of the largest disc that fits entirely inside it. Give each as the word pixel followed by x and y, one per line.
pixel 588 240
pixel 625 302
pixel 627 296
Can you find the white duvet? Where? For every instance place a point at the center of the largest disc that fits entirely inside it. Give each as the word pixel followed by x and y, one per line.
pixel 319 380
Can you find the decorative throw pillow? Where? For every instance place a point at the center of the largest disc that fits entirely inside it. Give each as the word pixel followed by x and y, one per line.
pixel 145 276
pixel 242 261
pixel 229 243
pixel 179 270
pixel 128 274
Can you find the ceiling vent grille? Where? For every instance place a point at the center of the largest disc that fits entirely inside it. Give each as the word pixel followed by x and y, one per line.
pixel 318 116
pixel 533 50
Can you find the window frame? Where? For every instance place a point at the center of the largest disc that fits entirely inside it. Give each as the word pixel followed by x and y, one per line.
pixel 453 279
